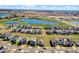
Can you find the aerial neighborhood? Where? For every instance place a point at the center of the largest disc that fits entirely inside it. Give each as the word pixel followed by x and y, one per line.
pixel 39 31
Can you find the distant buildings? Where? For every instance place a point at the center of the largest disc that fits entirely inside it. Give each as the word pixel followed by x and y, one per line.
pixel 39 13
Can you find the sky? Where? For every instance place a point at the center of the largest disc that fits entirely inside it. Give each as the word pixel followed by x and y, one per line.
pixel 41 7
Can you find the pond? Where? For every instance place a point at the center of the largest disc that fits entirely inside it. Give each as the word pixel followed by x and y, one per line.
pixel 11 22
pixel 35 21
pixel 76 23
pixel 2 15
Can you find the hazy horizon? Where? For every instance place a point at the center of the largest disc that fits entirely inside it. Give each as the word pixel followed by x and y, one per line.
pixel 41 7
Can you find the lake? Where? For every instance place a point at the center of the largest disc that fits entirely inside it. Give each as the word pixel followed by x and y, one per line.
pixel 11 22
pixel 76 23
pixel 2 15
pixel 35 21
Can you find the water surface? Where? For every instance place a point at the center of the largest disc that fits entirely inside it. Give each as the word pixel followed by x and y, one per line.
pixel 76 23
pixel 11 22
pixel 35 21
pixel 2 15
